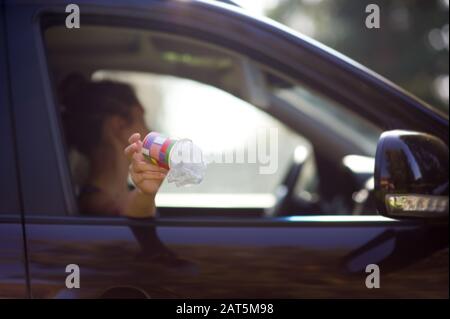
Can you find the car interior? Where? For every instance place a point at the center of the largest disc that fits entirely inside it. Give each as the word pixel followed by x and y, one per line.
pixel 330 174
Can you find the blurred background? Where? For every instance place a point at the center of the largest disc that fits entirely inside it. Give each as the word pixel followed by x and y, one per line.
pixel 411 48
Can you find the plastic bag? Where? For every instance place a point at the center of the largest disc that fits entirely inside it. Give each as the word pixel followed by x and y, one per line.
pixel 181 157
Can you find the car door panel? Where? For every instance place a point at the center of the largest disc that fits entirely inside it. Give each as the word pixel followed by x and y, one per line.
pixel 13 283
pixel 13 276
pixel 277 258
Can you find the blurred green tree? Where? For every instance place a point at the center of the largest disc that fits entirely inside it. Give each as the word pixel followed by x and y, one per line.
pixel 411 48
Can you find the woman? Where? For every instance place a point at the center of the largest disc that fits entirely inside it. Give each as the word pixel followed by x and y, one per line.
pixel 105 121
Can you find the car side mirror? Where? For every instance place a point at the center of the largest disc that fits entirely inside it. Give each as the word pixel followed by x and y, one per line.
pixel 411 176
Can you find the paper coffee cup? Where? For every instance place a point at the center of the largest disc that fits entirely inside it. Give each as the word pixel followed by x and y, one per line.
pixel 157 147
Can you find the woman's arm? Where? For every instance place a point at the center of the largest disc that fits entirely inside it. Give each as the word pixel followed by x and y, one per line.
pixel 140 205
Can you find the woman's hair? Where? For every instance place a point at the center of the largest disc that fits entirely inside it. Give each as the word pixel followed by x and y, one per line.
pixel 87 104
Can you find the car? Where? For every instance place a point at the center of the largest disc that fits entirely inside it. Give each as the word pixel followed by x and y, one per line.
pixel 361 188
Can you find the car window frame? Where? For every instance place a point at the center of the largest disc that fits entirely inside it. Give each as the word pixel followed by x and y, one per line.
pixel 244 211
pixel 10 204
pixel 47 190
pixel 119 16
pixel 119 19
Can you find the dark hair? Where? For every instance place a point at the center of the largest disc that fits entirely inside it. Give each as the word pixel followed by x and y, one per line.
pixel 86 105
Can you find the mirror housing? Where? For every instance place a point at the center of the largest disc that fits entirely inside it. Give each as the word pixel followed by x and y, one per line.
pixel 411 176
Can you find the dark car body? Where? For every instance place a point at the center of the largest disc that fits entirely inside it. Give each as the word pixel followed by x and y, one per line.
pixel 187 252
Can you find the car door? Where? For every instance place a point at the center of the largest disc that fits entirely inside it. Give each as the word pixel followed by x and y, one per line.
pixel 189 251
pixel 13 278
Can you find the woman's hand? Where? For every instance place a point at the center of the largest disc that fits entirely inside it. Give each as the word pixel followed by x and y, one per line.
pixel 147 177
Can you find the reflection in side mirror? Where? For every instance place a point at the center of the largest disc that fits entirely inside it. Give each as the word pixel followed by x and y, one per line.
pixel 411 175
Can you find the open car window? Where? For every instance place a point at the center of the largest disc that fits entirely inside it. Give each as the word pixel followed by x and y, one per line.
pixel 230 106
